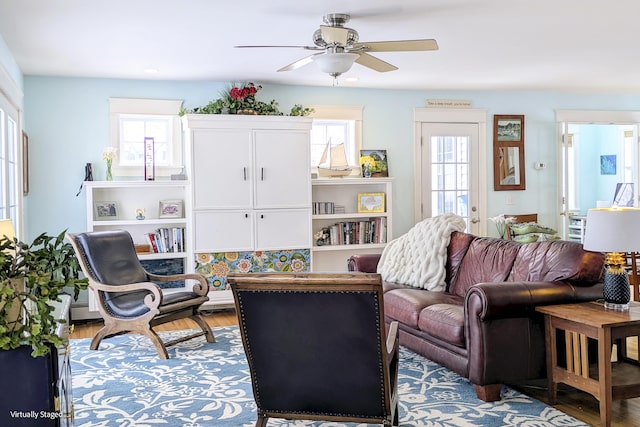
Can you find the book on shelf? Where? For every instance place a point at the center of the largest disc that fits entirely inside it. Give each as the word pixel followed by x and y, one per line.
pixel 166 240
pixel 327 208
pixel 372 230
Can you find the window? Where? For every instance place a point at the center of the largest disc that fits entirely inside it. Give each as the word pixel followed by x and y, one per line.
pixel 10 169
pixel 133 120
pixel 341 124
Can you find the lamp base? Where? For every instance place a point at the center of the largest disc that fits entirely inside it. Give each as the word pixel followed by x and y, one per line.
pixel 617 307
pixel 617 293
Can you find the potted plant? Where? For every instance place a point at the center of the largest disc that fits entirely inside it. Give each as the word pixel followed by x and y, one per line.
pixel 31 276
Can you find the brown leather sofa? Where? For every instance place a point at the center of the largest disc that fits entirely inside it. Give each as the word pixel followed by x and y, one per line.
pixel 484 325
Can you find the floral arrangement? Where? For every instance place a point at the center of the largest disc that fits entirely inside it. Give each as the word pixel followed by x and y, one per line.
pixel 501 222
pixel 240 98
pixel 108 154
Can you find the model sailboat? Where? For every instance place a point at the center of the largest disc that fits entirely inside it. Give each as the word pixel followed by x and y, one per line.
pixel 334 161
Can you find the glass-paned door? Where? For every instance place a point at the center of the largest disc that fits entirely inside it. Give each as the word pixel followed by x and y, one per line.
pixel 451 185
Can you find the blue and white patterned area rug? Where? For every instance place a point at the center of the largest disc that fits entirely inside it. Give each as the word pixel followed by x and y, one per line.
pixel 208 385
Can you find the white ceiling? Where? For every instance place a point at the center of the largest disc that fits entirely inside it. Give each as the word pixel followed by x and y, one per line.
pixel 558 45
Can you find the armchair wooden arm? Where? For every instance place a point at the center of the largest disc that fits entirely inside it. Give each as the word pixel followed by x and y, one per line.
pixel 153 300
pixel 201 288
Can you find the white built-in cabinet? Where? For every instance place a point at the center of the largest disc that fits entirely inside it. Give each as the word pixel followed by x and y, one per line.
pixel 251 183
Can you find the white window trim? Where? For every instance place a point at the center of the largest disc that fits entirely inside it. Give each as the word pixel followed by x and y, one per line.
pixel 132 106
pixel 342 112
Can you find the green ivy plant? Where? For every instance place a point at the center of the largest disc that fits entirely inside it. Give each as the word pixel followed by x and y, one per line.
pixel 240 98
pixel 31 276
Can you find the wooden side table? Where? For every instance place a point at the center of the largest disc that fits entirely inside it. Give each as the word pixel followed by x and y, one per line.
pixel 602 378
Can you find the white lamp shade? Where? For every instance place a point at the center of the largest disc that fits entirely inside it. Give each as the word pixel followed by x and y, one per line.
pixel 613 230
pixel 6 229
pixel 335 63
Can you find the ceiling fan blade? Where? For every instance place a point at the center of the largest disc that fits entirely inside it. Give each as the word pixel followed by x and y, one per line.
pixel 299 63
pixel 334 35
pixel 298 47
pixel 397 45
pixel 374 63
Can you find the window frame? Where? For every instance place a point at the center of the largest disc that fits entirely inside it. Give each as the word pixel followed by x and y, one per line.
pixel 11 105
pixel 153 108
pixel 342 113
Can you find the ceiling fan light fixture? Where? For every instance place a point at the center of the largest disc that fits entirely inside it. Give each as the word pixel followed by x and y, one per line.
pixel 335 63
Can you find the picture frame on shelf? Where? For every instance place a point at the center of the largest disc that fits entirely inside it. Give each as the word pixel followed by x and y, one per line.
pixel 374 163
pixel 105 211
pixel 170 209
pixel 371 203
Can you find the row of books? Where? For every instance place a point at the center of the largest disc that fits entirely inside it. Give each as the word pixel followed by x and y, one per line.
pixel 166 240
pixel 327 208
pixel 373 230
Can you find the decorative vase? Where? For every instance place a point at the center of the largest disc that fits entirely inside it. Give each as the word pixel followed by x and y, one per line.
pixel 109 175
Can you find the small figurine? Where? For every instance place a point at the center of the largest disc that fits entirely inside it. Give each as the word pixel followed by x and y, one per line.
pixel 140 213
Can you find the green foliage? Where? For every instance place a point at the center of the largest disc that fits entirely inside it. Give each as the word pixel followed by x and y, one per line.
pixel 240 98
pixel 30 277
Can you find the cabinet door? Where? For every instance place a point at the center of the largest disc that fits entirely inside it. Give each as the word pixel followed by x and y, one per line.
pixel 283 229
pixel 222 169
pixel 223 231
pixel 283 178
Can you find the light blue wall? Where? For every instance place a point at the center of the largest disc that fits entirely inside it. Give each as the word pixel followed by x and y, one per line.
pixel 67 120
pixel 8 62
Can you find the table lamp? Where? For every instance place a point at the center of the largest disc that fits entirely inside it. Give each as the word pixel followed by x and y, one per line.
pixel 614 231
pixel 6 229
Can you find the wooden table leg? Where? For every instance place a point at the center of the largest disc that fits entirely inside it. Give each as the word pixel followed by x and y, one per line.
pixel 604 375
pixel 552 357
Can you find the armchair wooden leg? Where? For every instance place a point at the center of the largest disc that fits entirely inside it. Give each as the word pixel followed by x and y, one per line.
pixel 208 334
pixel 489 392
pixel 262 420
pixel 157 342
pixel 105 331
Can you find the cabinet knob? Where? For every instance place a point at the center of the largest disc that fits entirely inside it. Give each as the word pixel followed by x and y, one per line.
pixel 261 174
pixel 261 216
pixel 244 173
pixel 246 215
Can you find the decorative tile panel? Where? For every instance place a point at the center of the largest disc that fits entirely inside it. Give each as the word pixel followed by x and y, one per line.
pixel 216 266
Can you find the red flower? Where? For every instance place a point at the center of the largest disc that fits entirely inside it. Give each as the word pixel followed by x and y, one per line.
pixel 236 93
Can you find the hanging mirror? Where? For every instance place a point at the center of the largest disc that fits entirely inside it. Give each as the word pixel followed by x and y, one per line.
pixel 508 152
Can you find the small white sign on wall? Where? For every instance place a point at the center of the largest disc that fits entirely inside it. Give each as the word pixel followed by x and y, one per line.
pixel 448 103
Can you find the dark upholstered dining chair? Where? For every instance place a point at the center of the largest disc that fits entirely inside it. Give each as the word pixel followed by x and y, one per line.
pixel 316 346
pixel 127 299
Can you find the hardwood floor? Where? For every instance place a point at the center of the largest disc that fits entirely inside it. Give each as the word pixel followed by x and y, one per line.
pixel 583 406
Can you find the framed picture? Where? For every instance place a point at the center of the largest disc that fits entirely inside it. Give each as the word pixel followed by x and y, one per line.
pixel 170 209
pixel 371 203
pixel 25 163
pixel 374 163
pixel 608 164
pixel 509 128
pixel 105 210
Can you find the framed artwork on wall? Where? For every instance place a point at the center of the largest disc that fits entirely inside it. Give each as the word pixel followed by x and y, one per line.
pixel 508 152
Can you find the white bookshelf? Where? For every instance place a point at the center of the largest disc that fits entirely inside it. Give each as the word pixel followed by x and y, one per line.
pixel 343 192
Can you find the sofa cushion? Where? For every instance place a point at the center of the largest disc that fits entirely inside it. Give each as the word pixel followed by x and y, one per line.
pixel 557 260
pixel 444 321
pixel 486 260
pixel 405 305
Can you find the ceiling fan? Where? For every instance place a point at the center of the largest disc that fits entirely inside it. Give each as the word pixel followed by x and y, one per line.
pixel 339 48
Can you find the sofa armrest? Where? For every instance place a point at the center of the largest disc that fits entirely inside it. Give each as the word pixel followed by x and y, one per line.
pixel 505 335
pixel 500 300
pixel 366 263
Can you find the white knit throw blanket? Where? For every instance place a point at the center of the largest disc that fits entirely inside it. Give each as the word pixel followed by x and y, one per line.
pixel 419 257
